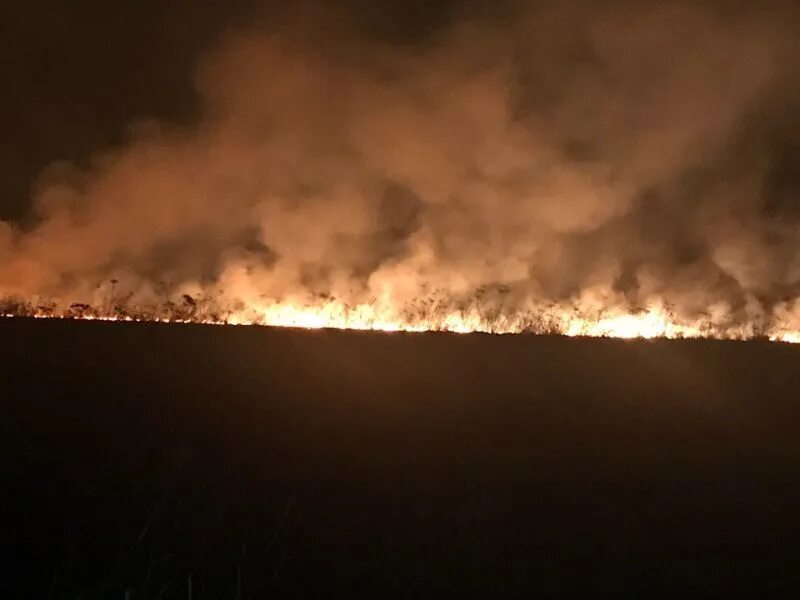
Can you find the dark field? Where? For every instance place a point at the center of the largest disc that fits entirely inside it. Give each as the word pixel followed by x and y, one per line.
pixel 251 462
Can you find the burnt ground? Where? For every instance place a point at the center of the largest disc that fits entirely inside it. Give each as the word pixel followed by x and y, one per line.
pixel 253 462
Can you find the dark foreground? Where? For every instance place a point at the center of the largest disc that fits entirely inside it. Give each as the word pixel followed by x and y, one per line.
pixel 254 463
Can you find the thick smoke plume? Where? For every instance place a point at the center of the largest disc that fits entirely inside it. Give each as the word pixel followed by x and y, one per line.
pixel 596 155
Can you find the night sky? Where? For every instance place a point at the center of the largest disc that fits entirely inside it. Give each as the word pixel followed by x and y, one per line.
pixel 77 74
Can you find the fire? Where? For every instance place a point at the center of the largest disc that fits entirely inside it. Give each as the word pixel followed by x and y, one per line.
pixel 650 323
pixel 647 326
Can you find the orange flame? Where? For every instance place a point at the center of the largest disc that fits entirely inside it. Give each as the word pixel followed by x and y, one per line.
pixel 651 323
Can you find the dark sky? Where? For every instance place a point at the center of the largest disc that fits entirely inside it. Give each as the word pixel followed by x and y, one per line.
pixel 76 74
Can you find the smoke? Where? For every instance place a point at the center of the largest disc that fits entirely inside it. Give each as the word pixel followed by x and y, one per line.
pixel 623 152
